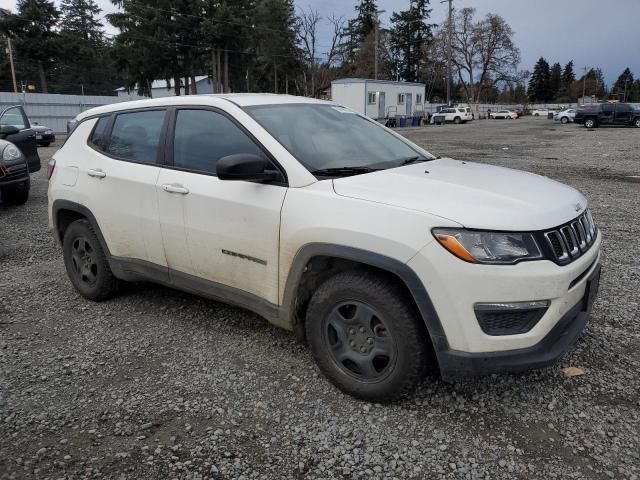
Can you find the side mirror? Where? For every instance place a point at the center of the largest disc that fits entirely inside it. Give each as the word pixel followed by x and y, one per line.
pixel 246 166
pixel 6 130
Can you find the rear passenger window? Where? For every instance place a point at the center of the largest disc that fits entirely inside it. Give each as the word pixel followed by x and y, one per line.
pixel 99 135
pixel 203 137
pixel 135 136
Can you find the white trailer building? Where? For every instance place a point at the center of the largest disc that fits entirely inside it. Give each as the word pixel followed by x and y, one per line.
pixel 379 98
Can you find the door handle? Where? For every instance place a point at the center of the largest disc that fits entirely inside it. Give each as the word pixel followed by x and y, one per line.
pixel 175 188
pixel 96 173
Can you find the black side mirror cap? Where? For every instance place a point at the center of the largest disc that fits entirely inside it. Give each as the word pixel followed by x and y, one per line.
pixel 247 167
pixel 8 130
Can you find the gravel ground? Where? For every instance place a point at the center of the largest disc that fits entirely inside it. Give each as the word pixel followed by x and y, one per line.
pixel 160 384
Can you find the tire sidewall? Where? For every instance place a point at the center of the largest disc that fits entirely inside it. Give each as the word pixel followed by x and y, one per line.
pixel 589 123
pixel 77 229
pixel 564 120
pixel 394 319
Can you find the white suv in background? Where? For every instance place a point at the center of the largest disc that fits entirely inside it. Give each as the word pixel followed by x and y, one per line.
pixel 453 114
pixel 384 258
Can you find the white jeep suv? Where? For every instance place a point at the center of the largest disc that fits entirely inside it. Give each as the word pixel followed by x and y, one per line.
pixel 384 258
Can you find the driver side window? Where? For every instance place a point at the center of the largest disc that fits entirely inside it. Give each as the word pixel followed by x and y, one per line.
pixel 14 117
pixel 203 137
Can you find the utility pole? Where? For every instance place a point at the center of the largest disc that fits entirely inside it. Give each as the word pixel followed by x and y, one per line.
pixel 375 47
pixel 624 97
pixel 584 83
pixel 449 43
pixel 13 69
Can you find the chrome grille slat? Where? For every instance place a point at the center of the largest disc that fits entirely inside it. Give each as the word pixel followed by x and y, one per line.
pixel 572 240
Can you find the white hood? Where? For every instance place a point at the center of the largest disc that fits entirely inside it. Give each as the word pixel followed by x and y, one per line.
pixel 472 194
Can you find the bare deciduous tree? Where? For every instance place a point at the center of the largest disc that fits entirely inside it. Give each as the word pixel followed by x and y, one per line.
pixel 483 51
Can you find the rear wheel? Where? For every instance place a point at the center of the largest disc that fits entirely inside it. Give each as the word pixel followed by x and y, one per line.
pixel 366 337
pixel 16 194
pixel 456 120
pixel 590 123
pixel 86 263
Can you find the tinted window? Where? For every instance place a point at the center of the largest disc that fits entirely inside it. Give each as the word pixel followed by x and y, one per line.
pixel 203 137
pixel 99 135
pixel 135 136
pixel 607 108
pixel 14 117
pixel 622 108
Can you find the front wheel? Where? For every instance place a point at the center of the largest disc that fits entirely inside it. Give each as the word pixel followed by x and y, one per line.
pixel 636 123
pixel 366 337
pixel 564 120
pixel 590 123
pixel 16 194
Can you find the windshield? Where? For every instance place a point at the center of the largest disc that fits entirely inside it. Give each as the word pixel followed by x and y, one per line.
pixel 330 137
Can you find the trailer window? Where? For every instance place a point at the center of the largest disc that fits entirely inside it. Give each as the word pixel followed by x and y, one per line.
pixel 401 99
pixel 372 98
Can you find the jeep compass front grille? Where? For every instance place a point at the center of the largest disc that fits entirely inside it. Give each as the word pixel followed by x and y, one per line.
pixel 573 239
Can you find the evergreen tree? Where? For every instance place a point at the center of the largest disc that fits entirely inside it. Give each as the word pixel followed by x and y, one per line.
pixel 35 40
pixel 568 78
pixel 409 35
pixel 84 64
pixel 366 20
pixel 539 82
pixel 555 81
pixel 623 84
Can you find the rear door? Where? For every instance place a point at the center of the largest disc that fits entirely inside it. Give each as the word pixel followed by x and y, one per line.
pixel 25 139
pixel 118 167
pixel 623 114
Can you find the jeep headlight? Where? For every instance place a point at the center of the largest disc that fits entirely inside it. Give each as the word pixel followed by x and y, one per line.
pixel 10 153
pixel 488 247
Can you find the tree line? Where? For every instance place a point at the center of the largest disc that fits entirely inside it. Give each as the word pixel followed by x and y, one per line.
pixel 269 46
pixel 557 84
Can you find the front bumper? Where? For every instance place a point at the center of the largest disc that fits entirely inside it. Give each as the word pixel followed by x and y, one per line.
pixel 455 287
pixel 547 351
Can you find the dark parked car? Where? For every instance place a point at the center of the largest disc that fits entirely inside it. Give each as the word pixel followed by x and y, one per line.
pixel 601 114
pixel 14 174
pixel 15 128
pixel 44 135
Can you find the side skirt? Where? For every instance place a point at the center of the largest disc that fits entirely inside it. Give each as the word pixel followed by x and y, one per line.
pixel 140 270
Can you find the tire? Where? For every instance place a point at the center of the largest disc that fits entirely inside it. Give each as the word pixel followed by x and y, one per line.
pixel 86 263
pixel 564 120
pixel 636 122
pixel 456 120
pixel 590 123
pixel 372 314
pixel 16 195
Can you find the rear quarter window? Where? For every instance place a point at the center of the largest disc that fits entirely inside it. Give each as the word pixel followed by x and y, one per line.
pixel 99 134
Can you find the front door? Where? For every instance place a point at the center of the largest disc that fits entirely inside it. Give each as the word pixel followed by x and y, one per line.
pixel 381 105
pixel 606 114
pixel 226 232
pixel 25 139
pixel 409 104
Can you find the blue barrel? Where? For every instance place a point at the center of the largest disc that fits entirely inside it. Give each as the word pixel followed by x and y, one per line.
pixel 415 122
pixel 403 121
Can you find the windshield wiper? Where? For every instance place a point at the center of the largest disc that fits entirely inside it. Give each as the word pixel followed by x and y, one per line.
pixel 409 160
pixel 340 171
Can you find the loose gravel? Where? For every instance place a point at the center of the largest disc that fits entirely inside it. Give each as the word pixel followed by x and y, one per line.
pixel 160 384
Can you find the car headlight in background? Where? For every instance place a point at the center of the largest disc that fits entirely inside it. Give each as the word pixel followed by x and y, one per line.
pixel 488 247
pixel 10 153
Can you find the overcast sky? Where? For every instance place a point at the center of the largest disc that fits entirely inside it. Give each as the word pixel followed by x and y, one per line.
pixel 599 33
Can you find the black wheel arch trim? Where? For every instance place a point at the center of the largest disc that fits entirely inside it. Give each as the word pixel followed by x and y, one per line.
pixel 376 260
